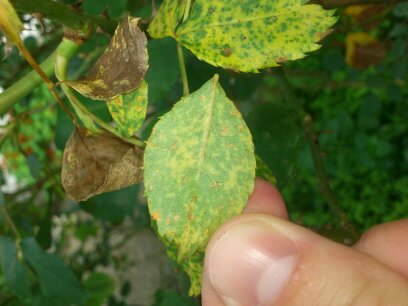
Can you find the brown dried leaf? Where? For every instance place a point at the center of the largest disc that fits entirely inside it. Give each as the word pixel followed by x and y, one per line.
pixel 121 67
pixel 96 164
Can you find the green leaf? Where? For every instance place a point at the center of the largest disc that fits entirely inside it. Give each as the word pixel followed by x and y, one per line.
pixel 121 67
pixel 248 35
pixel 100 286
pixel 129 110
pixel 56 280
pixel 263 171
pixel 15 274
pixel 167 18
pixel 199 168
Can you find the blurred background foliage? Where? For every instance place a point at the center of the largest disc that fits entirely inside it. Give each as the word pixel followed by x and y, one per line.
pixel 354 88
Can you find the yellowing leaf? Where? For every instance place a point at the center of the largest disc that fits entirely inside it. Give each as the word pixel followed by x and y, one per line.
pixel 95 164
pixel 356 10
pixel 167 18
pixel 121 67
pixel 10 24
pixel 363 50
pixel 129 110
pixel 248 35
pixel 199 168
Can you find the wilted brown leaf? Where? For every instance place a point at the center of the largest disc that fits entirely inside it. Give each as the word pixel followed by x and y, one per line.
pixel 121 67
pixel 99 163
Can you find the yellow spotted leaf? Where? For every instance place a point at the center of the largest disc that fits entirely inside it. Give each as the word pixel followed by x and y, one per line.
pixel 167 18
pixel 199 169
pixel 248 35
pixel 129 110
pixel 10 24
pixel 122 66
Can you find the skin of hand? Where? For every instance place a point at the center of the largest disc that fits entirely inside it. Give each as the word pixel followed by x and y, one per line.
pixel 261 259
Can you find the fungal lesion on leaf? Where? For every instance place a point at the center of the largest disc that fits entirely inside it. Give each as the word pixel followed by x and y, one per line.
pixel 227 52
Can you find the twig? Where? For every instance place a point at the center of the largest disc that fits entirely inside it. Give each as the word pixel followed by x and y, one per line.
pixel 10 223
pixel 324 180
pixel 317 157
pixel 180 54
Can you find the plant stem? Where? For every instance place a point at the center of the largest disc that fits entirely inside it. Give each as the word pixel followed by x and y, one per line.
pixel 324 180
pixel 65 14
pixel 180 54
pixel 10 223
pixel 183 70
pixel 28 83
pixel 187 10
pixel 317 157
pixel 61 63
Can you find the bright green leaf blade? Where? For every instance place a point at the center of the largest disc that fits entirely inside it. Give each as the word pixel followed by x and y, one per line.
pixel 250 35
pixel 100 286
pixel 56 280
pixel 199 168
pixel 15 274
pixel 129 110
pixel 167 18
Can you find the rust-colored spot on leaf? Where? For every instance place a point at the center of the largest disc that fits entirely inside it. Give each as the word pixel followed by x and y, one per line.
pixel 227 52
pixel 281 60
pixel 122 66
pixel 95 164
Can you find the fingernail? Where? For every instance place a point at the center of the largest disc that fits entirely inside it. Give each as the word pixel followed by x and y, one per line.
pixel 251 264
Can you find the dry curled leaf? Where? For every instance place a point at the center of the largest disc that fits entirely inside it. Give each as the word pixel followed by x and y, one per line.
pixel 121 67
pixel 99 163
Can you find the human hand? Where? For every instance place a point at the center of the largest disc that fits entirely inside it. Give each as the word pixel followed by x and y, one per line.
pixel 260 258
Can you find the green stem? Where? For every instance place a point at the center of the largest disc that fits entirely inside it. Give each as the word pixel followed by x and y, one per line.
pixel 61 63
pixel 65 14
pixel 10 222
pixel 28 83
pixel 180 54
pixel 183 70
pixel 187 10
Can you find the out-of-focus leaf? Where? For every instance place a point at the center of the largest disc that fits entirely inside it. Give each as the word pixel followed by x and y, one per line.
pixel 121 67
pixel 15 274
pixel 100 286
pixel 95 164
pixel 56 280
pixel 363 50
pixel 199 169
pixel 113 206
pixel 250 35
pixel 10 24
pixel 167 18
pixel 277 136
pixel 129 110
pixel 163 68
pixel 44 233
pixel 401 9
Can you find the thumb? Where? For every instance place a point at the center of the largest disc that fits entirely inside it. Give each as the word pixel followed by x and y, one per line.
pixel 257 259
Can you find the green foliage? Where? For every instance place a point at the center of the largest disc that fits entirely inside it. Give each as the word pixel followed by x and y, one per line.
pixel 195 183
pixel 129 110
pixel 16 275
pixel 199 162
pixel 251 35
pixel 100 286
pixel 56 280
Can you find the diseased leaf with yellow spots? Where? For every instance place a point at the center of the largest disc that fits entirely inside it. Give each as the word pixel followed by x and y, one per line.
pixel 167 18
pixel 248 35
pixel 129 110
pixel 122 66
pixel 199 169
pixel 94 164
pixel 10 24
